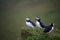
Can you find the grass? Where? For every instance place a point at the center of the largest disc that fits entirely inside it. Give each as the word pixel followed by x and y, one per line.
pixel 37 34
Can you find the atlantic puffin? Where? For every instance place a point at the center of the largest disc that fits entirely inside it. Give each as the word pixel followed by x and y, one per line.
pixel 29 23
pixel 39 23
pixel 49 28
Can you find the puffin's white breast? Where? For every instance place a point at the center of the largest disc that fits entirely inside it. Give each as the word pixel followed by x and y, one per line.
pixel 29 24
pixel 51 29
pixel 38 24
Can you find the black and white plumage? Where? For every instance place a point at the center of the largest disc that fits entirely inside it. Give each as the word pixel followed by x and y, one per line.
pixel 39 23
pixel 29 23
pixel 49 28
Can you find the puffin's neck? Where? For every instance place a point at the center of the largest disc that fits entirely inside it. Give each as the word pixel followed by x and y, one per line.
pixel 28 20
pixel 38 20
pixel 51 25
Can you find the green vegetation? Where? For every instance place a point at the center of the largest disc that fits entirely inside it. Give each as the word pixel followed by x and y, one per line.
pixel 37 34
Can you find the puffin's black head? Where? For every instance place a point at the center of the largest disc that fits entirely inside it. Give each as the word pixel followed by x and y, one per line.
pixel 27 19
pixel 37 18
pixel 52 24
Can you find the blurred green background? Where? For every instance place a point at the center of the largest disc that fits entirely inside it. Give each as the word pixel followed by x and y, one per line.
pixel 14 12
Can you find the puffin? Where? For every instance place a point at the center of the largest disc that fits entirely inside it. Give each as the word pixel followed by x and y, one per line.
pixel 39 23
pixel 49 28
pixel 29 23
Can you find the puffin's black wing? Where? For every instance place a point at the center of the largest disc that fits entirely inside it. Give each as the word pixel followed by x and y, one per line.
pixel 33 23
pixel 47 29
pixel 42 25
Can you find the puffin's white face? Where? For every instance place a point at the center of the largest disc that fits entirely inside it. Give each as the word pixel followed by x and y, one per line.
pixel 37 18
pixel 27 19
pixel 53 24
